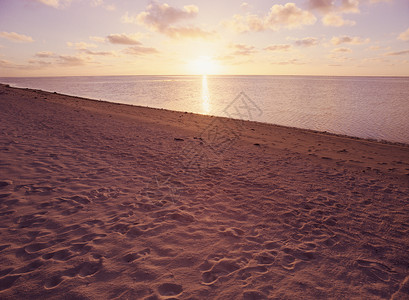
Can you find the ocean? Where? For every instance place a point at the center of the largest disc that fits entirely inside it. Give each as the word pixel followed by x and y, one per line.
pixel 366 107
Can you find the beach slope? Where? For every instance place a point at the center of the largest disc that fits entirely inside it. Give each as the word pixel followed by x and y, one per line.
pixel 109 201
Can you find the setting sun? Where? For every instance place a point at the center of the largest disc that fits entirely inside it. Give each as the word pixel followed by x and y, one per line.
pixel 204 65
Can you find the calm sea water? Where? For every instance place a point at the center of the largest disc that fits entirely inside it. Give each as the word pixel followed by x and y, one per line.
pixel 367 107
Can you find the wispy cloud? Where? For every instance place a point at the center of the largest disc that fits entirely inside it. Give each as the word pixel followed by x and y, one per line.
pixel 45 54
pixel 306 42
pixel 101 3
pixel 287 16
pixel 245 6
pixel 341 50
pixel 241 49
pixel 81 45
pixel 55 3
pixel 140 50
pixel 404 36
pixel 404 52
pixel 279 47
pixel 356 40
pixel 293 61
pixel 68 60
pixel 336 20
pixel 122 39
pixel 188 32
pixel 163 17
pixel 97 39
pixel 97 53
pixel 16 37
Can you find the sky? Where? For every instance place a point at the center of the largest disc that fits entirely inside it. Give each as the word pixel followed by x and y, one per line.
pixel 184 37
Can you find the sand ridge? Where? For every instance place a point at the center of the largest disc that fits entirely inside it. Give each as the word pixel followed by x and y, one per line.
pixel 101 200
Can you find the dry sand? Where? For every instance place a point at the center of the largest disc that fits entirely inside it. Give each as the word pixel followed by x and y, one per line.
pixel 108 201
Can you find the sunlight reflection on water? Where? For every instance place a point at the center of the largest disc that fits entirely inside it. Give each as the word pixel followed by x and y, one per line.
pixel 205 95
pixel 368 107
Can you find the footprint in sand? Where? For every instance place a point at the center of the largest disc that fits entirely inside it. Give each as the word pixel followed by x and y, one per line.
pixel 5 183
pixel 221 269
pixel 30 221
pixel 246 273
pixel 29 268
pixel 170 289
pixel 81 248
pixel 375 271
pixel 53 282
pixel 253 295
pixel 130 257
pixel 7 282
pixel 84 269
pixel 61 255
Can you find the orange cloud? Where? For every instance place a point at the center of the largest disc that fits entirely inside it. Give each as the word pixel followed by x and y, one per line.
pixel 241 49
pixel 404 36
pixel 188 32
pixel 16 37
pixel 287 16
pixel 98 53
pixel 122 39
pixel 336 20
pixel 280 47
pixel 341 50
pixel 140 50
pixel 44 54
pixel 349 40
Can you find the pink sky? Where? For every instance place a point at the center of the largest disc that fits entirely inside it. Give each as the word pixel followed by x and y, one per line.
pixel 124 37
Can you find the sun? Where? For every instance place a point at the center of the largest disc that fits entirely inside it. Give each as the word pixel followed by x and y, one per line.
pixel 204 65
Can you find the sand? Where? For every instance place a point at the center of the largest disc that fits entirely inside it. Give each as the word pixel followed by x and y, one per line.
pixel 109 201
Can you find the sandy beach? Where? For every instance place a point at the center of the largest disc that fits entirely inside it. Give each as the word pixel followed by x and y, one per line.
pixel 110 201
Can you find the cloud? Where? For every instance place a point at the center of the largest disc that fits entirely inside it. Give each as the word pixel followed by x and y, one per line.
pixel 81 45
pixel 404 36
pixel 341 50
pixel 70 61
pixel 98 53
pixel 162 17
pixel 336 20
pixel 245 6
pixel 241 49
pixel 140 50
pixel 55 3
pixel 188 32
pixel 404 52
pixel 287 16
pixel 280 47
pixel 306 42
pixel 97 39
pixel 122 39
pixel 330 6
pixel 349 40
pixel 293 61
pixel 39 63
pixel 100 3
pixel 15 37
pixel 45 54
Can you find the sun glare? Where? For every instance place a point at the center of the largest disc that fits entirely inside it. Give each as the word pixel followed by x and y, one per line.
pixel 204 65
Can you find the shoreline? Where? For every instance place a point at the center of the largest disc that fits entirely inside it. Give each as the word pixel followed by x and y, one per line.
pixel 100 200
pixel 382 141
